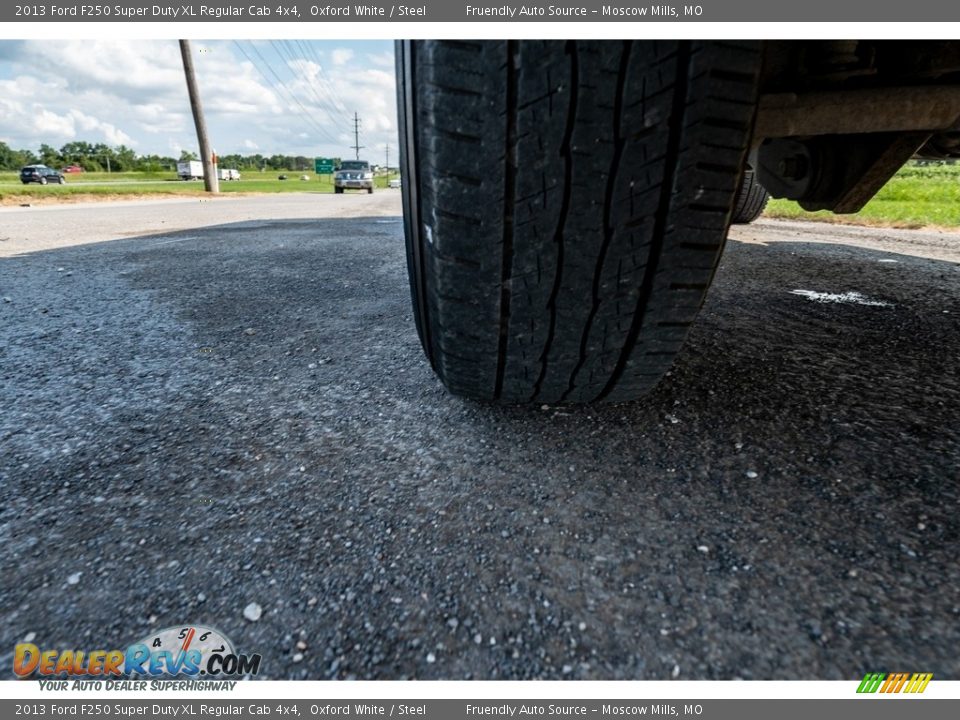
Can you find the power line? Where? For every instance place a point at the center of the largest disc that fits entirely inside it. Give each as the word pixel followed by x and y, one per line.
pixel 279 83
pixel 307 115
pixel 292 59
pixel 327 85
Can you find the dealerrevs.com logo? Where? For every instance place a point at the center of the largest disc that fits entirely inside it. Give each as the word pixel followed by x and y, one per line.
pixel 191 650
pixel 887 683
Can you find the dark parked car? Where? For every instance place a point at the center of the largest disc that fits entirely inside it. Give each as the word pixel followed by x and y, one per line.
pixel 41 174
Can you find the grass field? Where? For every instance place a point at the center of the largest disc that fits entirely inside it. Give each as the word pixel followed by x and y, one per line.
pixel 917 196
pixel 92 186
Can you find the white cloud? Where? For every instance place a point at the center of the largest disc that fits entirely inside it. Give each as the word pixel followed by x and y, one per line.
pixel 156 118
pixel 145 65
pixel 341 56
pixel 134 93
pixel 89 125
pixel 384 59
pixel 48 124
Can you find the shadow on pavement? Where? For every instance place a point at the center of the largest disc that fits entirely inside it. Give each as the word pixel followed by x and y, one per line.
pixel 205 419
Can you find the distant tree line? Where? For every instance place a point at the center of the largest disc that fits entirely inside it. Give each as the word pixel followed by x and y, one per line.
pixel 98 157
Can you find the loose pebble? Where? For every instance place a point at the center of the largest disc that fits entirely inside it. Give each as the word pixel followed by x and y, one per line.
pixel 252 612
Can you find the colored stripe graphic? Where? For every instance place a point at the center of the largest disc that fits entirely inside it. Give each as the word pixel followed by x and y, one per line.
pixel 894 682
pixel 918 683
pixel 870 682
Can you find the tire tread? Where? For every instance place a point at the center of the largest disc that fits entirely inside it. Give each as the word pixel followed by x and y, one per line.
pixel 574 202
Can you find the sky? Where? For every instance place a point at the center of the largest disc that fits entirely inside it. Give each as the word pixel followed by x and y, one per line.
pixel 288 97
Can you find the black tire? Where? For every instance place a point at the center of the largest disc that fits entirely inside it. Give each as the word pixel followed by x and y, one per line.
pixel 751 200
pixel 62 181
pixel 338 191
pixel 43 181
pixel 565 206
pixel 370 191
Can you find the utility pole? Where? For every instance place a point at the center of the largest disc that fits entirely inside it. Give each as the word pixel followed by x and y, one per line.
pixel 210 180
pixel 356 135
pixel 386 163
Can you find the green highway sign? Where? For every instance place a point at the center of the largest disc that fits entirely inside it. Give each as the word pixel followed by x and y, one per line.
pixel 323 166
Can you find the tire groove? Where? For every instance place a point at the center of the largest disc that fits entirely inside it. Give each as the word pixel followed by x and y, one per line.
pixel 509 189
pixel 662 216
pixel 565 151
pixel 607 207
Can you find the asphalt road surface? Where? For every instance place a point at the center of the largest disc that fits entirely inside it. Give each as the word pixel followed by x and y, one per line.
pixel 214 408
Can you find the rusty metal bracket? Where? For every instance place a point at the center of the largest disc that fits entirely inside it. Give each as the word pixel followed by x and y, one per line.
pixel 875 172
pixel 834 172
pixel 845 112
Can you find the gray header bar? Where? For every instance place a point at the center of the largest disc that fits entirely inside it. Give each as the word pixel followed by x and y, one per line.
pixel 485 709
pixel 613 11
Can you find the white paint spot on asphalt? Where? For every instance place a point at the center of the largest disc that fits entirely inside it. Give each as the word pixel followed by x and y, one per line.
pixel 176 240
pixel 847 297
pixel 887 260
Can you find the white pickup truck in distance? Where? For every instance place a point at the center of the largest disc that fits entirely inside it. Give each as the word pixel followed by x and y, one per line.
pixel 353 175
